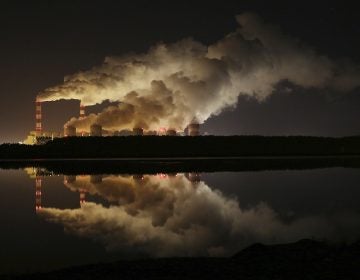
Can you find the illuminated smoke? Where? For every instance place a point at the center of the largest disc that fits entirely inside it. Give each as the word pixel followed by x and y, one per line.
pixel 171 216
pixel 173 84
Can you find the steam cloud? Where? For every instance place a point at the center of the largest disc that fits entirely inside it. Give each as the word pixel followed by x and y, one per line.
pixel 174 84
pixel 175 217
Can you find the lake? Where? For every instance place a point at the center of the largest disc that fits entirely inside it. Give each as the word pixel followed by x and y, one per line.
pixel 50 220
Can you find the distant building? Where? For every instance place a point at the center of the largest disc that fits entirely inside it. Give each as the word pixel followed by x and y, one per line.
pixel 125 132
pixel 37 138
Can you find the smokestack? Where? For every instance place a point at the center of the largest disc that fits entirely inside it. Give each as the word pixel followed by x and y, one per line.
pixel 82 115
pixel 69 131
pixel 38 117
pixel 138 131
pixel 95 130
pixel 82 111
pixel 194 129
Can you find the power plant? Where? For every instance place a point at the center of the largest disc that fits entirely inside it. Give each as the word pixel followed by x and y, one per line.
pixel 38 117
pixel 69 131
pixel 138 131
pixel 193 129
pixel 40 136
pixel 95 130
pixel 171 132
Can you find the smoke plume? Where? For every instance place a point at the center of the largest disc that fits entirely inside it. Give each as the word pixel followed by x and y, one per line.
pixel 173 84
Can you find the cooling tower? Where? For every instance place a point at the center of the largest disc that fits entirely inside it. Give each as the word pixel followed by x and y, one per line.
pixel 151 133
pixel 171 132
pixel 138 131
pixel 69 131
pixel 194 129
pixel 95 130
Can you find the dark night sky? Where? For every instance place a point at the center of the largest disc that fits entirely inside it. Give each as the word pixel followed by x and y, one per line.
pixel 42 41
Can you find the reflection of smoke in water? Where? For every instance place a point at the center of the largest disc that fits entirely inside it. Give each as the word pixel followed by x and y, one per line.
pixel 168 215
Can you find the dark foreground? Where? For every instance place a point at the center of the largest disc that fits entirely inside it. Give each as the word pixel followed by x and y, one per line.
pixel 306 259
pixel 175 146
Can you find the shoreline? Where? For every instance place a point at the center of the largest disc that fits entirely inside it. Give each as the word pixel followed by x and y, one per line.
pixel 176 147
pixel 181 164
pixel 194 158
pixel 298 260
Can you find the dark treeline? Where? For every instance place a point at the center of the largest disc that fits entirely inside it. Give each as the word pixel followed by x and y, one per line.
pixel 202 146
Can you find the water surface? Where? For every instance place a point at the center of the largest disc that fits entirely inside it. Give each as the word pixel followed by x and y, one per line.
pixel 53 220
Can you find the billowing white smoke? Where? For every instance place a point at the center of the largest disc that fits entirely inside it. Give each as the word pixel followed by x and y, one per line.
pixel 173 84
pixel 174 217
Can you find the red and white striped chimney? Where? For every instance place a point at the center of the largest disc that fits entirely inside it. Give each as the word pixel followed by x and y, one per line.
pixel 38 117
pixel 82 110
pixel 82 115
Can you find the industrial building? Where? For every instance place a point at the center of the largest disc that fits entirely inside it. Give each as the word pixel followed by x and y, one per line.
pixel 40 136
pixel 193 129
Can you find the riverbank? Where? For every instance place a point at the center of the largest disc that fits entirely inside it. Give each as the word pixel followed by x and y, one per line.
pixel 180 165
pixel 175 147
pixel 305 259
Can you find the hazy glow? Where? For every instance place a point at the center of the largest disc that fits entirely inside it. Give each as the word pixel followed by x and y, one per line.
pixel 173 84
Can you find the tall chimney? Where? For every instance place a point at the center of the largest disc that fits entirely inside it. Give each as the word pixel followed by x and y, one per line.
pixel 82 110
pixel 82 115
pixel 38 117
